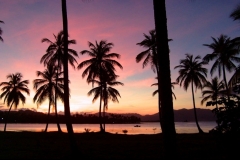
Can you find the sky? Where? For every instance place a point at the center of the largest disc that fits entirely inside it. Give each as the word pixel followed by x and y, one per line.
pixel 191 23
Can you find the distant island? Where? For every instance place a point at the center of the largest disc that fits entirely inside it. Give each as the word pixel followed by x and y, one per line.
pixel 29 116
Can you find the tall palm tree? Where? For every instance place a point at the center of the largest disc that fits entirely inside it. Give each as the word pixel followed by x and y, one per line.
pixel 192 72
pixel 225 53
pixel 156 91
pixel 212 90
pixel 47 89
pixel 1 32
pixel 13 92
pixel 150 55
pixel 235 14
pixel 73 143
pixel 54 55
pixel 101 62
pixel 164 80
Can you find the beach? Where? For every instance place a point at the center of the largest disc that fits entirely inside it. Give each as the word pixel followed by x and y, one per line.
pixel 53 145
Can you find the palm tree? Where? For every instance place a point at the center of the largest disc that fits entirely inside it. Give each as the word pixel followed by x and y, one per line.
pixel 1 32
pixel 54 55
pixel 12 92
pixel 192 72
pixel 46 88
pixel 101 62
pixel 73 143
pixel 156 91
pixel 225 53
pixel 235 15
pixel 212 91
pixel 150 54
pixel 165 105
pixel 105 92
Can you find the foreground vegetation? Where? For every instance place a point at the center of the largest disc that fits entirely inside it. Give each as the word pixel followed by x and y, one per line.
pixel 53 145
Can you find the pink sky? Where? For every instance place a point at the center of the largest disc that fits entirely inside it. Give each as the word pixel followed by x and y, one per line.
pixel 190 24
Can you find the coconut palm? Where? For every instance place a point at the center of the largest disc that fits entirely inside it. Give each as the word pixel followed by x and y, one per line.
pixel 47 89
pixel 105 92
pixel 101 62
pixel 156 91
pixel 54 56
pixel 235 15
pixel 1 32
pixel 212 90
pixel 225 53
pixel 13 92
pixel 192 72
pixel 150 54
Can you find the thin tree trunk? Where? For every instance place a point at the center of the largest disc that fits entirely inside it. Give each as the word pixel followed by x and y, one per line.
pixel 55 101
pixel 6 119
pixel 226 85
pixel 164 80
pixel 49 106
pixel 195 113
pixel 100 113
pixel 73 143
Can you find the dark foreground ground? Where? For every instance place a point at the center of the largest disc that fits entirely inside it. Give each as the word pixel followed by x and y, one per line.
pixel 52 145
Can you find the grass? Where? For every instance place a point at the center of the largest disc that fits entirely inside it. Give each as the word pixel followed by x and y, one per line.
pixel 53 145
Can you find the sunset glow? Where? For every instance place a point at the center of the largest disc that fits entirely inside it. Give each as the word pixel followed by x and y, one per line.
pixel 190 24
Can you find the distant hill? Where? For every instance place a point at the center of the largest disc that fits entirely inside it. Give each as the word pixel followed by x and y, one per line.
pixel 183 115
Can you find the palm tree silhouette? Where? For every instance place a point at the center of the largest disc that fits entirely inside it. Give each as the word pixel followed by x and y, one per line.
pixel 156 91
pixel 235 14
pixel 192 72
pixel 1 32
pixel 212 90
pixel 225 53
pixel 105 91
pixel 54 56
pixel 12 92
pixel 101 62
pixel 150 54
pixel 46 88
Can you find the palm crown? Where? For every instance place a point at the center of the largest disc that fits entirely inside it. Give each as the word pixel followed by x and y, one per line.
pixel 55 51
pixel 101 60
pixel 12 90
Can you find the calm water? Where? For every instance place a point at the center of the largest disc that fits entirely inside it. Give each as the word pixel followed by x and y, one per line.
pixel 145 127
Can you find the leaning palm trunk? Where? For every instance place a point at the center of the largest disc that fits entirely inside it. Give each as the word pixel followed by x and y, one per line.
pixel 195 113
pixel 73 143
pixel 6 119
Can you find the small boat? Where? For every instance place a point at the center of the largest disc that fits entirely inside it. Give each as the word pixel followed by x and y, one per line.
pixel 137 126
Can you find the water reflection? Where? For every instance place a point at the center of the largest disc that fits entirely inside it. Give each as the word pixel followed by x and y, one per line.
pixel 143 128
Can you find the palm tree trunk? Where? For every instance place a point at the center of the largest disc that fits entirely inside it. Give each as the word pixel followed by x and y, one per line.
pixel 100 113
pixel 49 106
pixel 55 101
pixel 164 80
pixel 195 113
pixel 225 81
pixel 73 143
pixel 6 119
